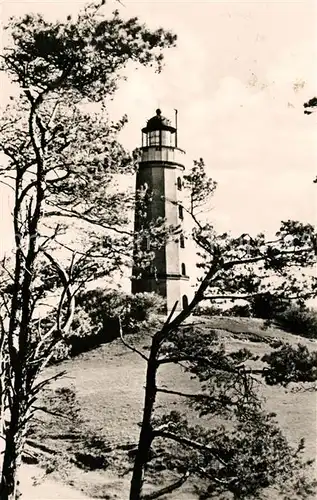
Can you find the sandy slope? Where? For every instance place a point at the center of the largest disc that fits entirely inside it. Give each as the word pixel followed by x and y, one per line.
pixel 47 489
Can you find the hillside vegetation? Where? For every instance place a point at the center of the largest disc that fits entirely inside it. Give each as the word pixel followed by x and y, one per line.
pixel 100 398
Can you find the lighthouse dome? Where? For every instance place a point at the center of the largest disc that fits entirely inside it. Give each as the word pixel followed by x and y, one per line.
pixel 158 122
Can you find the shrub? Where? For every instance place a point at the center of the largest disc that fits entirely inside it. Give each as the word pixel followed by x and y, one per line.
pixel 242 311
pixel 101 305
pixel 61 351
pixel 268 306
pixel 144 305
pixel 300 320
pixel 208 311
pixel 82 323
pixel 96 320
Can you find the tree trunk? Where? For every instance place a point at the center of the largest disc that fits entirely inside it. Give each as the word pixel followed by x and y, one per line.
pixel 146 434
pixel 11 460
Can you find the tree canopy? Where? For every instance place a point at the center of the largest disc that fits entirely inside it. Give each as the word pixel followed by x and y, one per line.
pixel 60 159
pixel 247 454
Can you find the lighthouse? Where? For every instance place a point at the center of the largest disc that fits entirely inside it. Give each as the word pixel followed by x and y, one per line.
pixel 159 183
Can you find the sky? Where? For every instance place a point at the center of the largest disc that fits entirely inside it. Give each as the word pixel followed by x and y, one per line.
pixel 238 77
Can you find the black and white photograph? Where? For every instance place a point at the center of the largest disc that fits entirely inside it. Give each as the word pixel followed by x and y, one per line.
pixel 158 243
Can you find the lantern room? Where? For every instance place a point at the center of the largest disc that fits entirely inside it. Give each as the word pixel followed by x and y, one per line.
pixel 159 132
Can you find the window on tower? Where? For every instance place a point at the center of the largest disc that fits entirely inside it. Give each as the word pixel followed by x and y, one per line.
pixel 182 241
pixel 180 212
pixel 179 184
pixel 166 138
pixel 154 138
pixel 185 301
pixel 183 269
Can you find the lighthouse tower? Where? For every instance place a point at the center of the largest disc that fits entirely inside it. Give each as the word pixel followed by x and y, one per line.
pixel 159 182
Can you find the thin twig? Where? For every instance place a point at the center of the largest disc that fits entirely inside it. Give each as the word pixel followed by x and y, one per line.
pixel 167 489
pixel 49 412
pixel 191 443
pixel 198 396
pixel 129 346
pixel 171 314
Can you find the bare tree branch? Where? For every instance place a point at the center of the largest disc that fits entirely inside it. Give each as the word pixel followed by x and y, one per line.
pixel 167 489
pixel 129 346
pixel 191 443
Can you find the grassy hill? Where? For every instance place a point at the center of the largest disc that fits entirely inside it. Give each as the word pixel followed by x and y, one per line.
pixel 104 388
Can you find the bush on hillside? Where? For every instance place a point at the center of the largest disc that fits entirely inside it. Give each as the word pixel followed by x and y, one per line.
pixel 268 306
pixel 101 305
pixel 97 318
pixel 208 310
pixel 143 306
pixel 299 320
pixel 241 311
